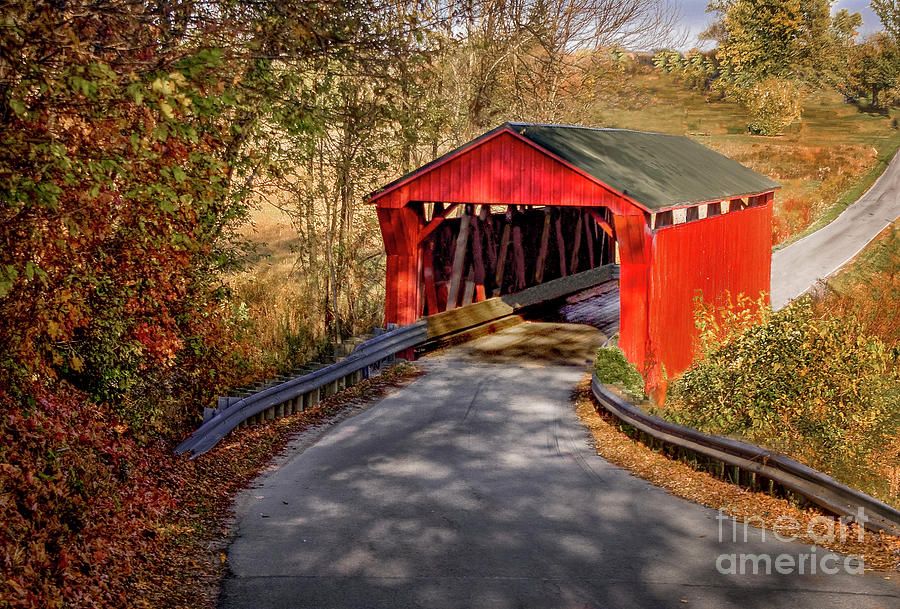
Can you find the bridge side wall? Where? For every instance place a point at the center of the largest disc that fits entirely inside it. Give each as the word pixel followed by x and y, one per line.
pixel 716 258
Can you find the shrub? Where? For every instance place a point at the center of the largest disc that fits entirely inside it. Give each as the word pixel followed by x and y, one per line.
pixel 612 367
pixel 81 505
pixel 816 388
pixel 773 104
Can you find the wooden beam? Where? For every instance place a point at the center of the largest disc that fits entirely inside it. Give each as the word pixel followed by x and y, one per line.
pixel 478 258
pixel 590 243
pixel 459 257
pixel 501 257
pixel 487 223
pixel 573 265
pixel 601 222
pixel 469 291
pixel 518 257
pixel 431 301
pixel 435 222
pixel 560 245
pixel 542 252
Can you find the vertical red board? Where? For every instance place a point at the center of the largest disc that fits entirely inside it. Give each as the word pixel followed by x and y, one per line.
pixel 634 239
pixel 400 229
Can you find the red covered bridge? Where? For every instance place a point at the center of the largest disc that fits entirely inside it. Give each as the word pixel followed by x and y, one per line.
pixel 524 204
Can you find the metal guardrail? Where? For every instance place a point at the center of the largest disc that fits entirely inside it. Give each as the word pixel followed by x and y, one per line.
pixel 818 488
pixel 300 393
pixel 305 391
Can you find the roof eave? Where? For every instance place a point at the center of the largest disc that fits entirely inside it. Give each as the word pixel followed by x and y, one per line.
pixel 716 200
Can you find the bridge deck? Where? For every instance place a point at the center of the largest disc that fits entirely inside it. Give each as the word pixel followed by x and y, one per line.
pixel 597 307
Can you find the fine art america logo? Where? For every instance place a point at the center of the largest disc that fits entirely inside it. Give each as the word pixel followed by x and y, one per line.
pixel 811 560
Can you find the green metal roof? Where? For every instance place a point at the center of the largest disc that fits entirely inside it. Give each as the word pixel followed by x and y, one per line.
pixel 657 170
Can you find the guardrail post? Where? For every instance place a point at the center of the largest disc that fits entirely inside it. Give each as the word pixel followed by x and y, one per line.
pixel 279 411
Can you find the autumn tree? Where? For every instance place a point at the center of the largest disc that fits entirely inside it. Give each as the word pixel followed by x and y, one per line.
pixel 875 67
pixel 889 13
pixel 376 113
pixel 779 38
pixel 532 60
pixel 132 136
pixel 838 55
pixel 128 150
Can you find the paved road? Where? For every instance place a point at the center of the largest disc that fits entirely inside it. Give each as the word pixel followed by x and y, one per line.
pixel 476 487
pixel 799 266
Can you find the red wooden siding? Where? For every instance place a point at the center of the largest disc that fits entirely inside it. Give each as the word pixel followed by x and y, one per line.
pixel 726 254
pixel 505 170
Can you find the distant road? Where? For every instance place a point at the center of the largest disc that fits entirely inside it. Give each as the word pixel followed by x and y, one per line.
pixel 796 268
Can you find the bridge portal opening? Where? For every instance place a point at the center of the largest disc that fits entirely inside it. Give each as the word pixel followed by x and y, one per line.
pixel 470 253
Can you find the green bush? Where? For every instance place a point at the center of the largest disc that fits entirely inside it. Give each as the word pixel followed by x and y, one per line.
pixel 816 388
pixel 611 367
pixel 773 105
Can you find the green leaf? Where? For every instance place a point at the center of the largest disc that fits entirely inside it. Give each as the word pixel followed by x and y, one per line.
pixel 18 106
pixel 179 174
pixel 136 90
pixel 166 109
pixel 7 279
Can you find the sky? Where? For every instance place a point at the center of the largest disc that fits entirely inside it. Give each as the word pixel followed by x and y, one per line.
pixel 695 18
